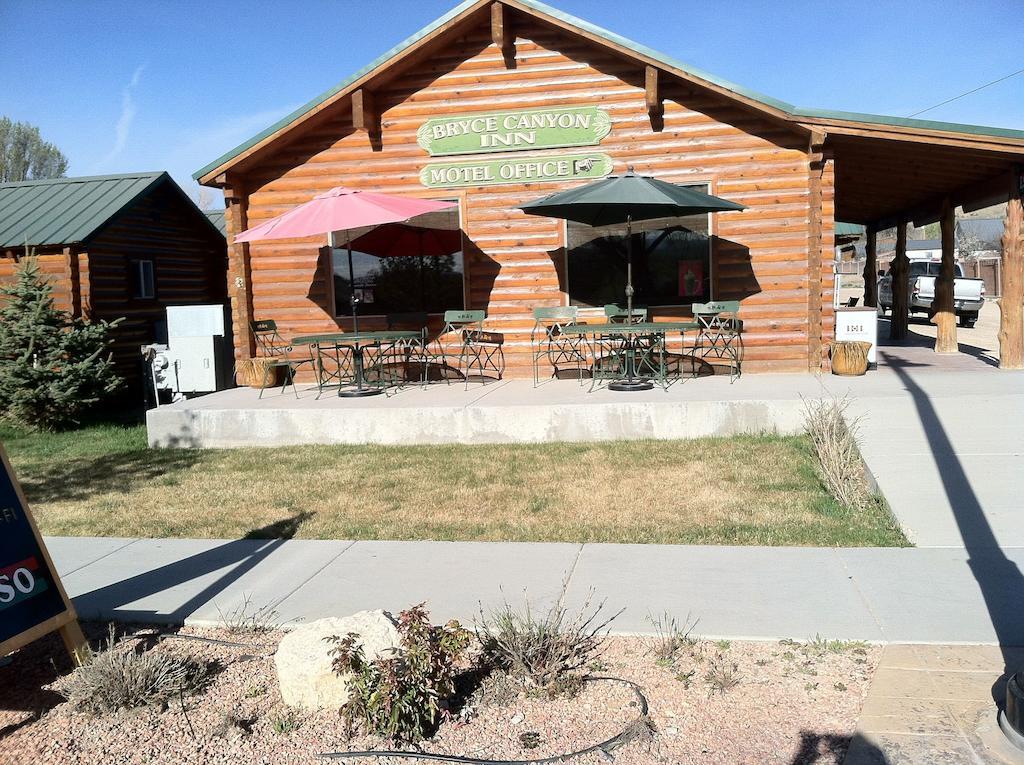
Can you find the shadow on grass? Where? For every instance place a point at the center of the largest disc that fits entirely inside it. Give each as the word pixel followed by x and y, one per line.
pixel 81 478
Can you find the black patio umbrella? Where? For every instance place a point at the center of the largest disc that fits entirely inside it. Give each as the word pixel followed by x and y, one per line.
pixel 624 199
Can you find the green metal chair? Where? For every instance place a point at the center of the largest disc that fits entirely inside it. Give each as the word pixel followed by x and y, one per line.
pixel 616 314
pixel 720 334
pixel 270 345
pixel 463 338
pixel 547 342
pixel 406 355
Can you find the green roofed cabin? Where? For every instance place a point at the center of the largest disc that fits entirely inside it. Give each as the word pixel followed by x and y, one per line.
pixel 499 102
pixel 115 246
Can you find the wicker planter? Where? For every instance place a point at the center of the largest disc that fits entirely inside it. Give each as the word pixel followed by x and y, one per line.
pixel 850 357
pixel 259 373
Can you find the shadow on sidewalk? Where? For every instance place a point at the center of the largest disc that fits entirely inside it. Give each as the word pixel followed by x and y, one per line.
pixel 242 555
pixel 999 578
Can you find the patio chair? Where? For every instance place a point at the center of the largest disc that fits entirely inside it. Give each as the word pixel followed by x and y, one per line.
pixel 478 350
pixel 563 352
pixel 409 354
pixel 335 366
pixel 616 314
pixel 720 334
pixel 270 345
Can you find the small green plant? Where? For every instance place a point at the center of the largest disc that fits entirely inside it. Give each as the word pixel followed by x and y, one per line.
pixel 722 675
pixel 670 637
pixel 286 722
pixel 255 691
pixel 548 651
pixel 761 662
pixel 530 739
pixel 400 697
pixel 723 645
pixel 821 646
pixel 839 686
pixel 686 678
pixel 810 686
pixel 121 676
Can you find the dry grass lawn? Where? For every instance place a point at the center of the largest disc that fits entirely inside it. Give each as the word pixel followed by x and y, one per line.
pixel 764 490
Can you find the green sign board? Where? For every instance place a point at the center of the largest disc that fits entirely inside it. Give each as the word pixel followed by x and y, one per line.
pixel 558 167
pixel 514 131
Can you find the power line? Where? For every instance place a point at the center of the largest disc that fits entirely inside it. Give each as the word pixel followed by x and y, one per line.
pixel 969 92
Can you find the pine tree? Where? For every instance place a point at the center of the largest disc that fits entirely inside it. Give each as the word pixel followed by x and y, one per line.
pixel 53 366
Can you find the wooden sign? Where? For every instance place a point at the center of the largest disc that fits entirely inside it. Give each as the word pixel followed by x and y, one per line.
pixel 519 130
pixel 33 602
pixel 567 167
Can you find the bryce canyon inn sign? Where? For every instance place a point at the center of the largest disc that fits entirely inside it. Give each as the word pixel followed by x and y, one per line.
pixel 500 102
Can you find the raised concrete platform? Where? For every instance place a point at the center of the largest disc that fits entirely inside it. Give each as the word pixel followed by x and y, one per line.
pixel 510 411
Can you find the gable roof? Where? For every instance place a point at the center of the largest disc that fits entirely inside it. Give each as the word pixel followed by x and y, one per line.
pixel 803 118
pixel 216 217
pixel 60 211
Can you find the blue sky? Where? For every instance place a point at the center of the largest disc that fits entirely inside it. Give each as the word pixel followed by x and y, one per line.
pixel 128 86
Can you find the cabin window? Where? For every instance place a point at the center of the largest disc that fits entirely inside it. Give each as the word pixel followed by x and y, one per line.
pixel 671 262
pixel 143 281
pixel 398 283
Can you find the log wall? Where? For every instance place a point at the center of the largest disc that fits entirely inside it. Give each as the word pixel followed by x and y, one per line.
pixel 513 260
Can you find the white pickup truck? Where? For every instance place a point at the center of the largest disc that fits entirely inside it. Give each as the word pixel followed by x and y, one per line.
pixel 968 294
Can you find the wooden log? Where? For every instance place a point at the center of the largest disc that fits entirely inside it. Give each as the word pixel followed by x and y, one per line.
pixel 899 272
pixel 501 33
pixel 1011 301
pixel 239 287
pixel 871 267
pixel 944 316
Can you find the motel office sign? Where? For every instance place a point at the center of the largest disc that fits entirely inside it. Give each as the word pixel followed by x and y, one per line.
pixel 514 131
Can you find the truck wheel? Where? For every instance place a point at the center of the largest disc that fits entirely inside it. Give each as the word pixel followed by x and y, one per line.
pixel 967 320
pixel 881 309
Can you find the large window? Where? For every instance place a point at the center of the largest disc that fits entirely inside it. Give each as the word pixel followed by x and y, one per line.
pixel 671 262
pixel 402 283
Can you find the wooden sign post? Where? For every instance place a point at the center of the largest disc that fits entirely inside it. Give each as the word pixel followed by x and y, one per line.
pixel 33 602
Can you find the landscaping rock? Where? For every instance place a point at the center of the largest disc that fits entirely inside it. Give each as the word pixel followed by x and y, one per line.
pixel 303 659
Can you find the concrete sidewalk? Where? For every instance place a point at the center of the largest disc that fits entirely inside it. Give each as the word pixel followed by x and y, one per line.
pixel 878 594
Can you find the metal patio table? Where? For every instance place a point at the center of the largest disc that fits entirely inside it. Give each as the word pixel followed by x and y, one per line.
pixel 631 339
pixel 358 342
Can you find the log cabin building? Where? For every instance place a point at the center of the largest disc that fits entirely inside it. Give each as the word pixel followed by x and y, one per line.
pixel 503 101
pixel 115 246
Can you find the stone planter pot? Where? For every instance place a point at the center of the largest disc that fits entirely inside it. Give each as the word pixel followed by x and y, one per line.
pixel 259 373
pixel 850 357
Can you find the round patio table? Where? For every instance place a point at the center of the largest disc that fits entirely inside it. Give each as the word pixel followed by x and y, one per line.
pixel 358 342
pixel 631 335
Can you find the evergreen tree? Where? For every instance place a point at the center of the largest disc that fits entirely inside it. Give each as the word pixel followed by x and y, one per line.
pixel 53 366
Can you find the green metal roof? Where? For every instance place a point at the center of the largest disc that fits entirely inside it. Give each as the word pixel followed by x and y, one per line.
pixel 543 9
pixel 66 210
pixel 848 229
pixel 217 219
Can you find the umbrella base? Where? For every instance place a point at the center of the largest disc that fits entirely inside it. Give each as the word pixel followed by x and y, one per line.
pixel 358 392
pixel 634 384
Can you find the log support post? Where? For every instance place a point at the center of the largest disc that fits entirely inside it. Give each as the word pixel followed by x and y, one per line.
pixel 653 98
pixel 899 273
pixel 366 117
pixel 74 281
pixel 1011 301
pixel 820 225
pixel 501 34
pixel 871 266
pixel 943 313
pixel 239 270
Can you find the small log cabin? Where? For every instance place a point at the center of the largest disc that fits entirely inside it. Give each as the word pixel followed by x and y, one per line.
pixel 115 246
pixel 503 101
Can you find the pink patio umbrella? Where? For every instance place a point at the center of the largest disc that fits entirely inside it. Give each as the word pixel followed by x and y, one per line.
pixel 343 209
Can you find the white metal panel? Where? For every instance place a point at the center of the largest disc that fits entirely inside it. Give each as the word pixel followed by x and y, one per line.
pixel 195 321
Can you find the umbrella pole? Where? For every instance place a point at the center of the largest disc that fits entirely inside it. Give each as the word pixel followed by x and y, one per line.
pixel 629 269
pixel 352 286
pixel 632 382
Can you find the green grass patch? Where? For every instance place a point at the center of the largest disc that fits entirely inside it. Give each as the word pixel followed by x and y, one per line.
pixel 749 490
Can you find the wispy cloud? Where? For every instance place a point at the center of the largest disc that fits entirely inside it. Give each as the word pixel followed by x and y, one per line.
pixel 123 128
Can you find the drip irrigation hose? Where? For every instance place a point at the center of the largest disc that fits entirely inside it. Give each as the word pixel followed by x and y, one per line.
pixel 607 746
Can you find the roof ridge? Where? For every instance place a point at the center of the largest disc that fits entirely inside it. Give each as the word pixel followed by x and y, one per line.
pixel 83 179
pixel 788 111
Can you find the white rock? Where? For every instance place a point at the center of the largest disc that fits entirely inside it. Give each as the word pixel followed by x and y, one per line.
pixel 303 662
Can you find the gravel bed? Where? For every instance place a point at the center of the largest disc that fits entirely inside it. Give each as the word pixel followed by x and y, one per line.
pixel 793 703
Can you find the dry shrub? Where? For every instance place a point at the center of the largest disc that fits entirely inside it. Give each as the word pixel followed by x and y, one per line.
pixel 671 636
pixel 120 676
pixel 835 443
pixel 548 652
pixel 722 676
